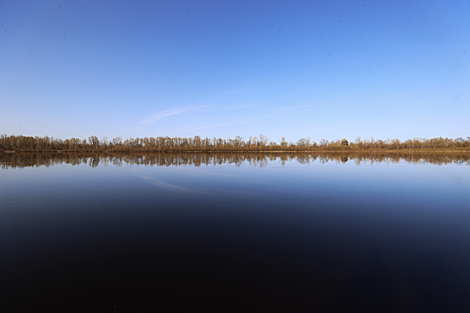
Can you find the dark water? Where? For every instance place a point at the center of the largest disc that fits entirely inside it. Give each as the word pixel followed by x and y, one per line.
pixel 236 233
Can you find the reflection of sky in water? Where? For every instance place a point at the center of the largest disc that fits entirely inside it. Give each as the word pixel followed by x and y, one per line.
pixel 325 230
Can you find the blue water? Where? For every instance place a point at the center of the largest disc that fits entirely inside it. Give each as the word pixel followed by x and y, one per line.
pixel 273 235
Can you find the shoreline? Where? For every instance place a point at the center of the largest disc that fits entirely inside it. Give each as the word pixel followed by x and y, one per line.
pixel 316 151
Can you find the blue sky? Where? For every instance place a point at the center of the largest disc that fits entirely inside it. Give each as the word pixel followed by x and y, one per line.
pixel 318 69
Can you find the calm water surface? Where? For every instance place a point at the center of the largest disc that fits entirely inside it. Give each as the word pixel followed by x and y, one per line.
pixel 243 234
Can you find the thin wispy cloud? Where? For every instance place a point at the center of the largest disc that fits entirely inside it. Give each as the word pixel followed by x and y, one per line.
pixel 243 107
pixel 167 113
pixel 210 126
pixel 276 112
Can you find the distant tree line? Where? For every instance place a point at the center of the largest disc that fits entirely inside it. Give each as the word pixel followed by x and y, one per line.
pixel 182 144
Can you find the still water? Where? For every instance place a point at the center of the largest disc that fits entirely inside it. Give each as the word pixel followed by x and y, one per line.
pixel 235 233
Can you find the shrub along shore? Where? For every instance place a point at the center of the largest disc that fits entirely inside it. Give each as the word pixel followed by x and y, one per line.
pixel 13 143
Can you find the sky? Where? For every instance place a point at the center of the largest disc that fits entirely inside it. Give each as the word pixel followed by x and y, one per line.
pixel 293 69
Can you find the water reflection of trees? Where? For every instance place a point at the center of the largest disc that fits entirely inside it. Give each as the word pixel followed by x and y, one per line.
pixel 22 160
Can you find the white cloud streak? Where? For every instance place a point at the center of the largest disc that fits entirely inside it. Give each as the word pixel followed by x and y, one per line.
pixel 167 113
pixel 210 126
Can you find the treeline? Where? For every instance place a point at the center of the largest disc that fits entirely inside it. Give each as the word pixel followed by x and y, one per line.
pixel 37 159
pixel 260 144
